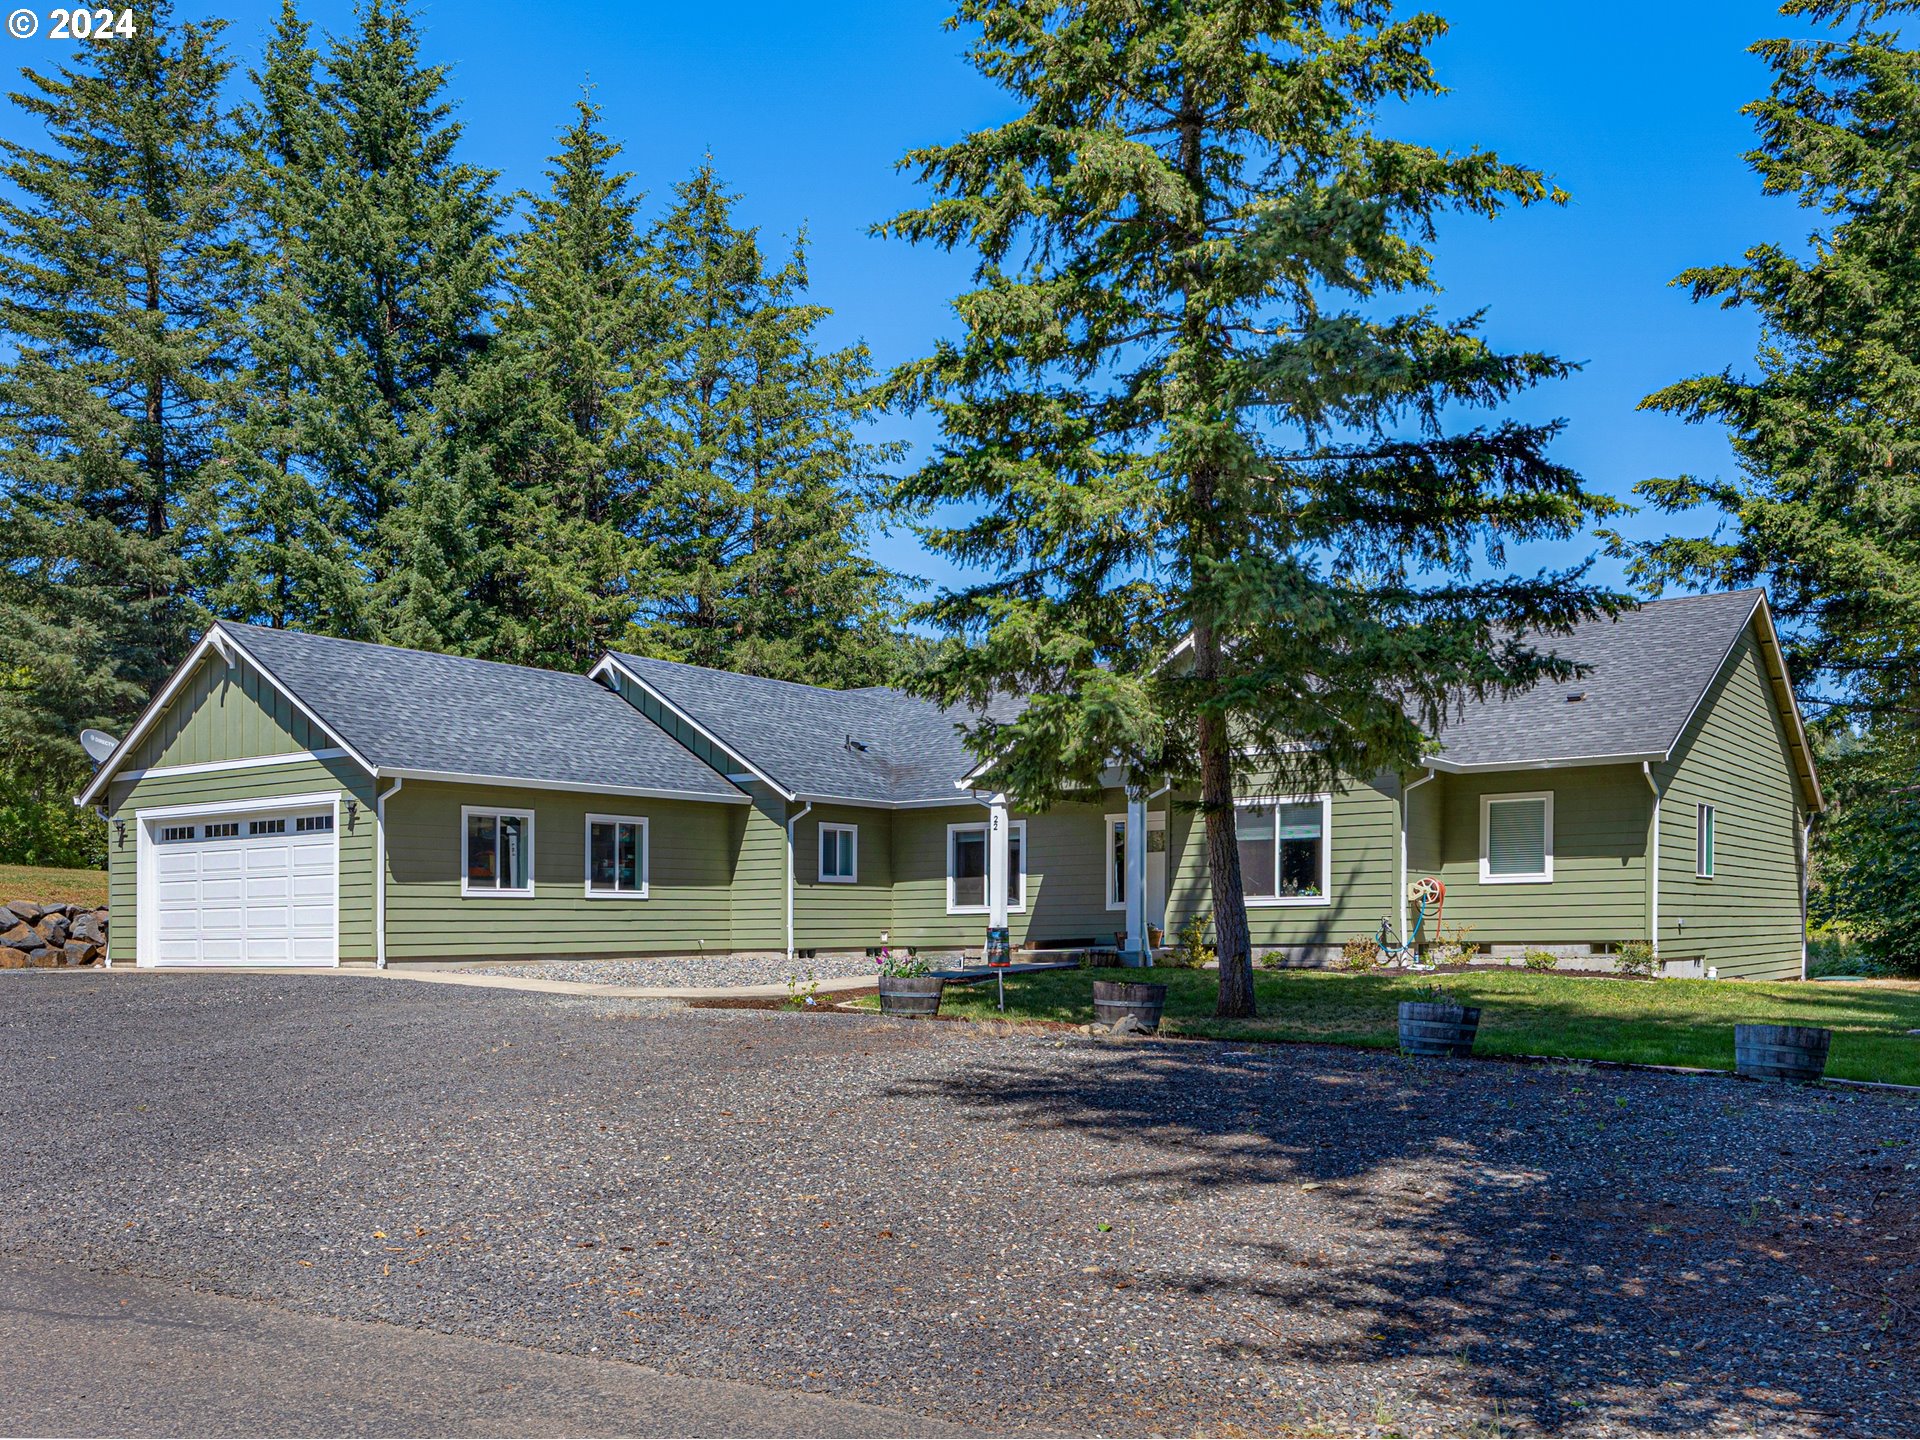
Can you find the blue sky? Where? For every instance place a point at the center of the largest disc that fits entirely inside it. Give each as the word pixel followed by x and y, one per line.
pixel 1632 107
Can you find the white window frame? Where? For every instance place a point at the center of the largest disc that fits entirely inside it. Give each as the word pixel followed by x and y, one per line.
pixel 1273 802
pixel 835 827
pixel 1014 827
pixel 586 857
pixel 1487 802
pixel 1156 820
pixel 1706 838
pixel 491 892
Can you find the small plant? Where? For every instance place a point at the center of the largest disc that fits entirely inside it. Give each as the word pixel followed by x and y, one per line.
pixel 1540 960
pixel 1432 994
pixel 801 990
pixel 901 964
pixel 1634 958
pixel 1272 960
pixel 1190 949
pixel 1360 954
pixel 1453 949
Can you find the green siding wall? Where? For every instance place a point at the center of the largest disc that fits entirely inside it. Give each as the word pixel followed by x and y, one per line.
pixel 833 916
pixel 1598 891
pixel 688 904
pixel 1066 884
pixel 225 712
pixel 1745 921
pixel 1365 860
pixel 214 788
pixel 758 837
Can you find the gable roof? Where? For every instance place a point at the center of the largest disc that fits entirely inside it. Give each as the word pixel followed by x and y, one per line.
pixel 873 746
pixel 1650 671
pixel 417 714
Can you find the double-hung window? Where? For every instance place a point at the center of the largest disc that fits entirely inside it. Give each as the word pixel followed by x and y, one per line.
pixel 616 857
pixel 1516 838
pixel 1285 855
pixel 1703 844
pixel 839 854
pixel 497 850
pixel 967 859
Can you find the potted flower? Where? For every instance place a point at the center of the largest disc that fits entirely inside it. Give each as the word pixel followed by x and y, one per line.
pixel 906 987
pixel 1433 1023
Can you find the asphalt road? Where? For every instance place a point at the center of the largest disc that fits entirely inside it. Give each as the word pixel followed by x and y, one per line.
pixel 89 1354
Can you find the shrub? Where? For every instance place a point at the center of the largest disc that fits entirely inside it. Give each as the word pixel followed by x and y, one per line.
pixel 1634 958
pixel 1272 960
pixel 1540 960
pixel 1190 950
pixel 1360 953
pixel 1454 949
pixel 1840 955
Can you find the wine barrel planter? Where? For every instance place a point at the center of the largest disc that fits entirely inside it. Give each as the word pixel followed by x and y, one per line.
pixel 913 997
pixel 1780 1052
pixel 1438 1029
pixel 1113 999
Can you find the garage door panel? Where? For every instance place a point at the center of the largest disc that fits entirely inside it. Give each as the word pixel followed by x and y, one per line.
pixel 265 896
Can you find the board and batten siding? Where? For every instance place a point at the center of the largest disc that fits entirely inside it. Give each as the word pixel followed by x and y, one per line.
pixel 1598 894
pixel 1735 756
pixel 1364 857
pixel 212 788
pixel 1066 884
pixel 225 712
pixel 688 904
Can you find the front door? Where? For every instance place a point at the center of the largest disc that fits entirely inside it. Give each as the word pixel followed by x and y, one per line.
pixel 1156 887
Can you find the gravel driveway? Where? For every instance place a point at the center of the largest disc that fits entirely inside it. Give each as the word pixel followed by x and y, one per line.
pixel 1006 1230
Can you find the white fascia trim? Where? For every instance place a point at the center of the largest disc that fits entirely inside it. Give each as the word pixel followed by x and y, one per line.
pixel 608 662
pixel 1770 640
pixel 516 782
pixel 255 762
pixel 228 648
pixel 1558 762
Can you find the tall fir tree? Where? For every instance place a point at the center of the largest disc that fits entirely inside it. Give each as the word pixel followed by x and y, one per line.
pixel 1825 511
pixel 1232 522
pixel 390 257
pixel 276 550
pixel 757 508
pixel 548 441
pixel 118 289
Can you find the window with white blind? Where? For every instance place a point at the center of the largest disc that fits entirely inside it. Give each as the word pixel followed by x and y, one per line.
pixel 1516 838
pixel 1285 857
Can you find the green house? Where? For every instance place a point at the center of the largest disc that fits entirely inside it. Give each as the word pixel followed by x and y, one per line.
pixel 289 799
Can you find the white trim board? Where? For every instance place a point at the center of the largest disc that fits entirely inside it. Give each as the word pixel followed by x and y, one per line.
pixel 252 762
pixel 511 782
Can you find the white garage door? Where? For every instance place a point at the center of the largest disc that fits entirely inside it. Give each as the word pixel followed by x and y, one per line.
pixel 251 889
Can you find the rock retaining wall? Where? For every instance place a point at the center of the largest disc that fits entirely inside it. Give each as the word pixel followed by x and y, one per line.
pixel 49 935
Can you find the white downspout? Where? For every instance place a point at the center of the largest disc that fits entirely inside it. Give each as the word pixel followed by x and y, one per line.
pixel 1135 869
pixel 106 952
pixel 380 873
pixel 1406 810
pixel 1653 918
pixel 792 820
pixel 1806 877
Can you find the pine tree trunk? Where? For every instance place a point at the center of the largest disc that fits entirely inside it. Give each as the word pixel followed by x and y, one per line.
pixel 1230 939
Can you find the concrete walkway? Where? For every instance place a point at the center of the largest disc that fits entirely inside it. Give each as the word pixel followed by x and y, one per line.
pixel 91 1354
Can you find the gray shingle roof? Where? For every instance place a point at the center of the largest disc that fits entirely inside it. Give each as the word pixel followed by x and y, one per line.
pixel 414 710
pixel 1650 668
pixel 797 735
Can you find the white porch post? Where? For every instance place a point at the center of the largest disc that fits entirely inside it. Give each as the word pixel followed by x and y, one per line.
pixel 1136 845
pixel 999 862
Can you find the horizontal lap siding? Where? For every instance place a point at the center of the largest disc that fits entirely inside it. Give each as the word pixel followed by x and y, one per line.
pixel 1598 892
pixel 1746 920
pixel 833 916
pixel 1365 859
pixel 1066 887
pixel 689 895
pixel 758 903
pixel 310 777
pixel 225 712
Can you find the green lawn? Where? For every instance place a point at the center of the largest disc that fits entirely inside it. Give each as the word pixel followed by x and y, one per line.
pixel 41 883
pixel 1658 1022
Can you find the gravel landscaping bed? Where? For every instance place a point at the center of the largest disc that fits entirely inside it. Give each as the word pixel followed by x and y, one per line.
pixel 685 970
pixel 1007 1229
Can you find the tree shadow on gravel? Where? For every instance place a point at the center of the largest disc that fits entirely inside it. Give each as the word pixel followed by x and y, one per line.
pixel 1573 1252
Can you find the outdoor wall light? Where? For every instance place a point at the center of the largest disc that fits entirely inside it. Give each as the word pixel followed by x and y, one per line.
pixel 119 832
pixel 353 812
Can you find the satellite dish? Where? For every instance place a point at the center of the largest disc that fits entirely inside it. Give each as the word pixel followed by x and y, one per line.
pixel 98 744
